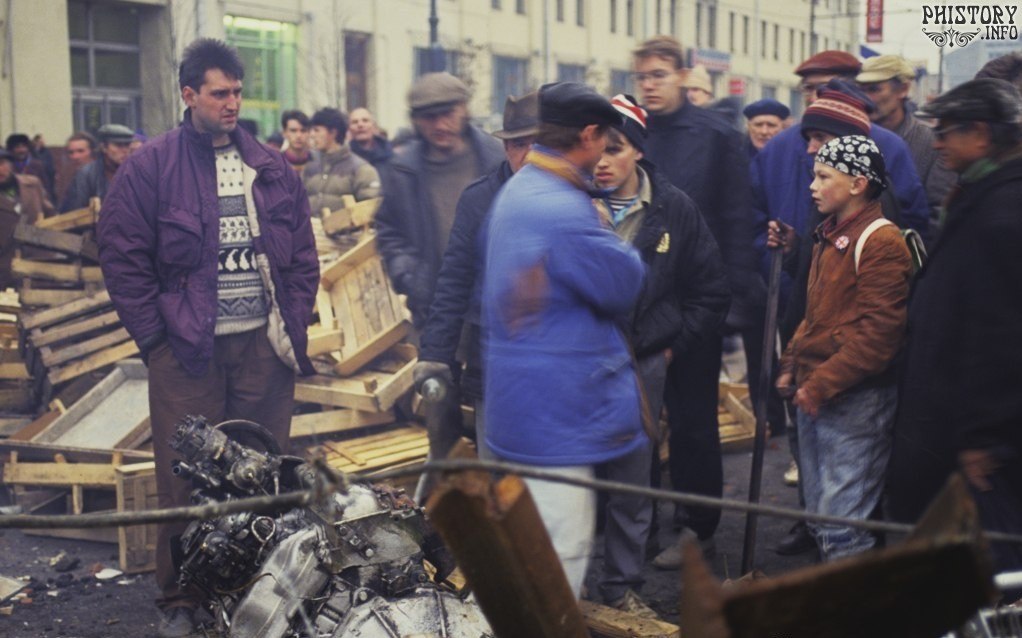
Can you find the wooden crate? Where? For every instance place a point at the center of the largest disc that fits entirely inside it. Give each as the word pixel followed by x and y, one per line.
pixel 361 316
pixel 735 420
pixel 114 414
pixel 353 216
pixel 375 389
pixel 136 491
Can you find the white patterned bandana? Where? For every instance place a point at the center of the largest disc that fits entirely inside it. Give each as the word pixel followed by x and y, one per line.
pixel 855 155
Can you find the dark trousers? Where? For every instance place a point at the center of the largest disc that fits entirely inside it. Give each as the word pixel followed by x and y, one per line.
pixel 245 380
pixel 695 464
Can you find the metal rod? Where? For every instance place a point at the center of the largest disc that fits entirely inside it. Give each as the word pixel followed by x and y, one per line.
pixel 765 370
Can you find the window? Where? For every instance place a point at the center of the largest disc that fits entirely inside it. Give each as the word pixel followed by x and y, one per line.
pixel 673 16
pixel 510 77
pixel 791 45
pixel 711 25
pixel 630 16
pixel 795 103
pixel 520 7
pixel 424 58
pixel 777 39
pixel 659 10
pixel 613 16
pixel 762 38
pixel 106 82
pixel 699 24
pixel 571 73
pixel 769 92
pixel 495 4
pixel 268 50
pixel 620 81
pixel 560 13
pixel 745 35
pixel 356 69
pixel 731 31
pixel 580 13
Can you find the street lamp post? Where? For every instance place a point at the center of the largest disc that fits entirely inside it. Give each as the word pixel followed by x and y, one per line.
pixel 436 53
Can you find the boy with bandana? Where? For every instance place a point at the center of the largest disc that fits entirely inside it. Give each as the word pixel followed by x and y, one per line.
pixel 837 367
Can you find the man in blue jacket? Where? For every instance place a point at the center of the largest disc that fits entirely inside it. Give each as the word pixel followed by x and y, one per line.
pixel 561 389
pixel 207 251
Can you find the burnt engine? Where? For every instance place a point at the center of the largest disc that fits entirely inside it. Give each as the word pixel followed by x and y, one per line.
pixel 351 565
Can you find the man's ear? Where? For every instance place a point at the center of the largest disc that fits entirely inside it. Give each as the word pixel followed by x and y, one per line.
pixel 188 94
pixel 859 185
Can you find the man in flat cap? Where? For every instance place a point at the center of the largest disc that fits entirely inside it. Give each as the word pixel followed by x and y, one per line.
pixel 561 389
pixel 765 120
pixel 452 332
pixel 960 407
pixel 886 80
pixel 93 179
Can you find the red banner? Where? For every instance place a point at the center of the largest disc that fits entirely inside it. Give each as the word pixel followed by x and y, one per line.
pixel 874 20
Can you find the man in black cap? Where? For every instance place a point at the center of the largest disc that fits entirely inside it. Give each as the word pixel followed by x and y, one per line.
pixel 561 390
pixel 19 146
pixel 766 119
pixel 960 407
pixel 456 303
pixel 93 179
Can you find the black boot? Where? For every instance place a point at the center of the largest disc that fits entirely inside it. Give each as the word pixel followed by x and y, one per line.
pixel 798 541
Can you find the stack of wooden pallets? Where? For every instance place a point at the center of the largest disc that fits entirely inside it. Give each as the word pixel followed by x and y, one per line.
pixel 57 259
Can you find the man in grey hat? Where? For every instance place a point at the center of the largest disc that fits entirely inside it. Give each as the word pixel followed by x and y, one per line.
pixel 959 405
pixel 92 179
pixel 422 184
pixel 455 305
pixel 887 80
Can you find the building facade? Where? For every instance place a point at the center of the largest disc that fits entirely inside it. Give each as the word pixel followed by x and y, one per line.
pixel 77 64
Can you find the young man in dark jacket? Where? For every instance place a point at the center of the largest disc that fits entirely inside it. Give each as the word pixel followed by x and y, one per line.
pixel 93 179
pixel 682 305
pixel 207 251
pixel 701 154
pixel 960 405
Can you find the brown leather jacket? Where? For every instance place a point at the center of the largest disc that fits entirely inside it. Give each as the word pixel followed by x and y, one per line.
pixel 854 324
pixel 30 205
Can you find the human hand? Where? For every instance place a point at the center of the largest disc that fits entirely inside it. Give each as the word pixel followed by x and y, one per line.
pixel 806 403
pixel 780 235
pixel 977 465
pixel 425 370
pixel 785 385
pixel 669 356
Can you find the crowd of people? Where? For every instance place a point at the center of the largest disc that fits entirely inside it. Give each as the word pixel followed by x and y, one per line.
pixel 576 273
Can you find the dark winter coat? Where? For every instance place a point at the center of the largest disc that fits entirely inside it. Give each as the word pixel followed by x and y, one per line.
pixel 702 154
pixel 88 182
pixel 963 359
pixel 406 230
pixel 459 284
pixel 379 154
pixel 158 238
pixel 686 295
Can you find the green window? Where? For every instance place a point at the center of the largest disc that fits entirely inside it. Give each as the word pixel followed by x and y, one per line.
pixel 268 50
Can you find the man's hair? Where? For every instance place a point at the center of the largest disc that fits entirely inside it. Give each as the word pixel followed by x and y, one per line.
pixel 205 54
pixel 84 136
pixel 661 46
pixel 17 139
pixel 331 118
pixel 561 138
pixel 294 114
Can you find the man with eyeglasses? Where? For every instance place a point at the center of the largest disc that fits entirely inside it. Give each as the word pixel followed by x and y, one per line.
pixel 700 153
pixel 960 408
pixel 887 79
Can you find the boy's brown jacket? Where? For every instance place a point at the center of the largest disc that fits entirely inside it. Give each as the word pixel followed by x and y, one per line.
pixel 854 324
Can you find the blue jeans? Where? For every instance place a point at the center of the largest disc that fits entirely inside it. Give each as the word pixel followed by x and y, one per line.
pixel 843 453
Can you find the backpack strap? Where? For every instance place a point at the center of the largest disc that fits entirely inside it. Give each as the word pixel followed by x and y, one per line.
pixel 869 230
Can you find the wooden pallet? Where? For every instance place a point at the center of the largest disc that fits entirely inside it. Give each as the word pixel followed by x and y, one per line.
pixel 136 491
pixel 375 452
pixel 735 420
pixel 360 315
pixel 375 389
pixel 353 216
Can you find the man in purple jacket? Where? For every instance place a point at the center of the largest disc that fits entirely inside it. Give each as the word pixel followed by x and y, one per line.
pixel 207 251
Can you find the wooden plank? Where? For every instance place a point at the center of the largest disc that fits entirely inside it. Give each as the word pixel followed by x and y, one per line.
pixel 334 421
pixel 351 217
pixel 70 273
pixel 69 243
pixel 498 538
pixel 50 298
pixel 607 622
pixel 12 425
pixel 93 362
pixel 322 341
pixel 136 491
pixel 14 371
pixel 53 358
pixel 35 427
pixel 373 348
pixel 93 535
pixel 364 249
pixel 352 392
pixel 56 334
pixel 81 218
pixel 44 452
pixel 59 474
pixel 58 314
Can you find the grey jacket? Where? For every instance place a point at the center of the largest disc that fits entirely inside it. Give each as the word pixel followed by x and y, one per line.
pixel 89 182
pixel 937 180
